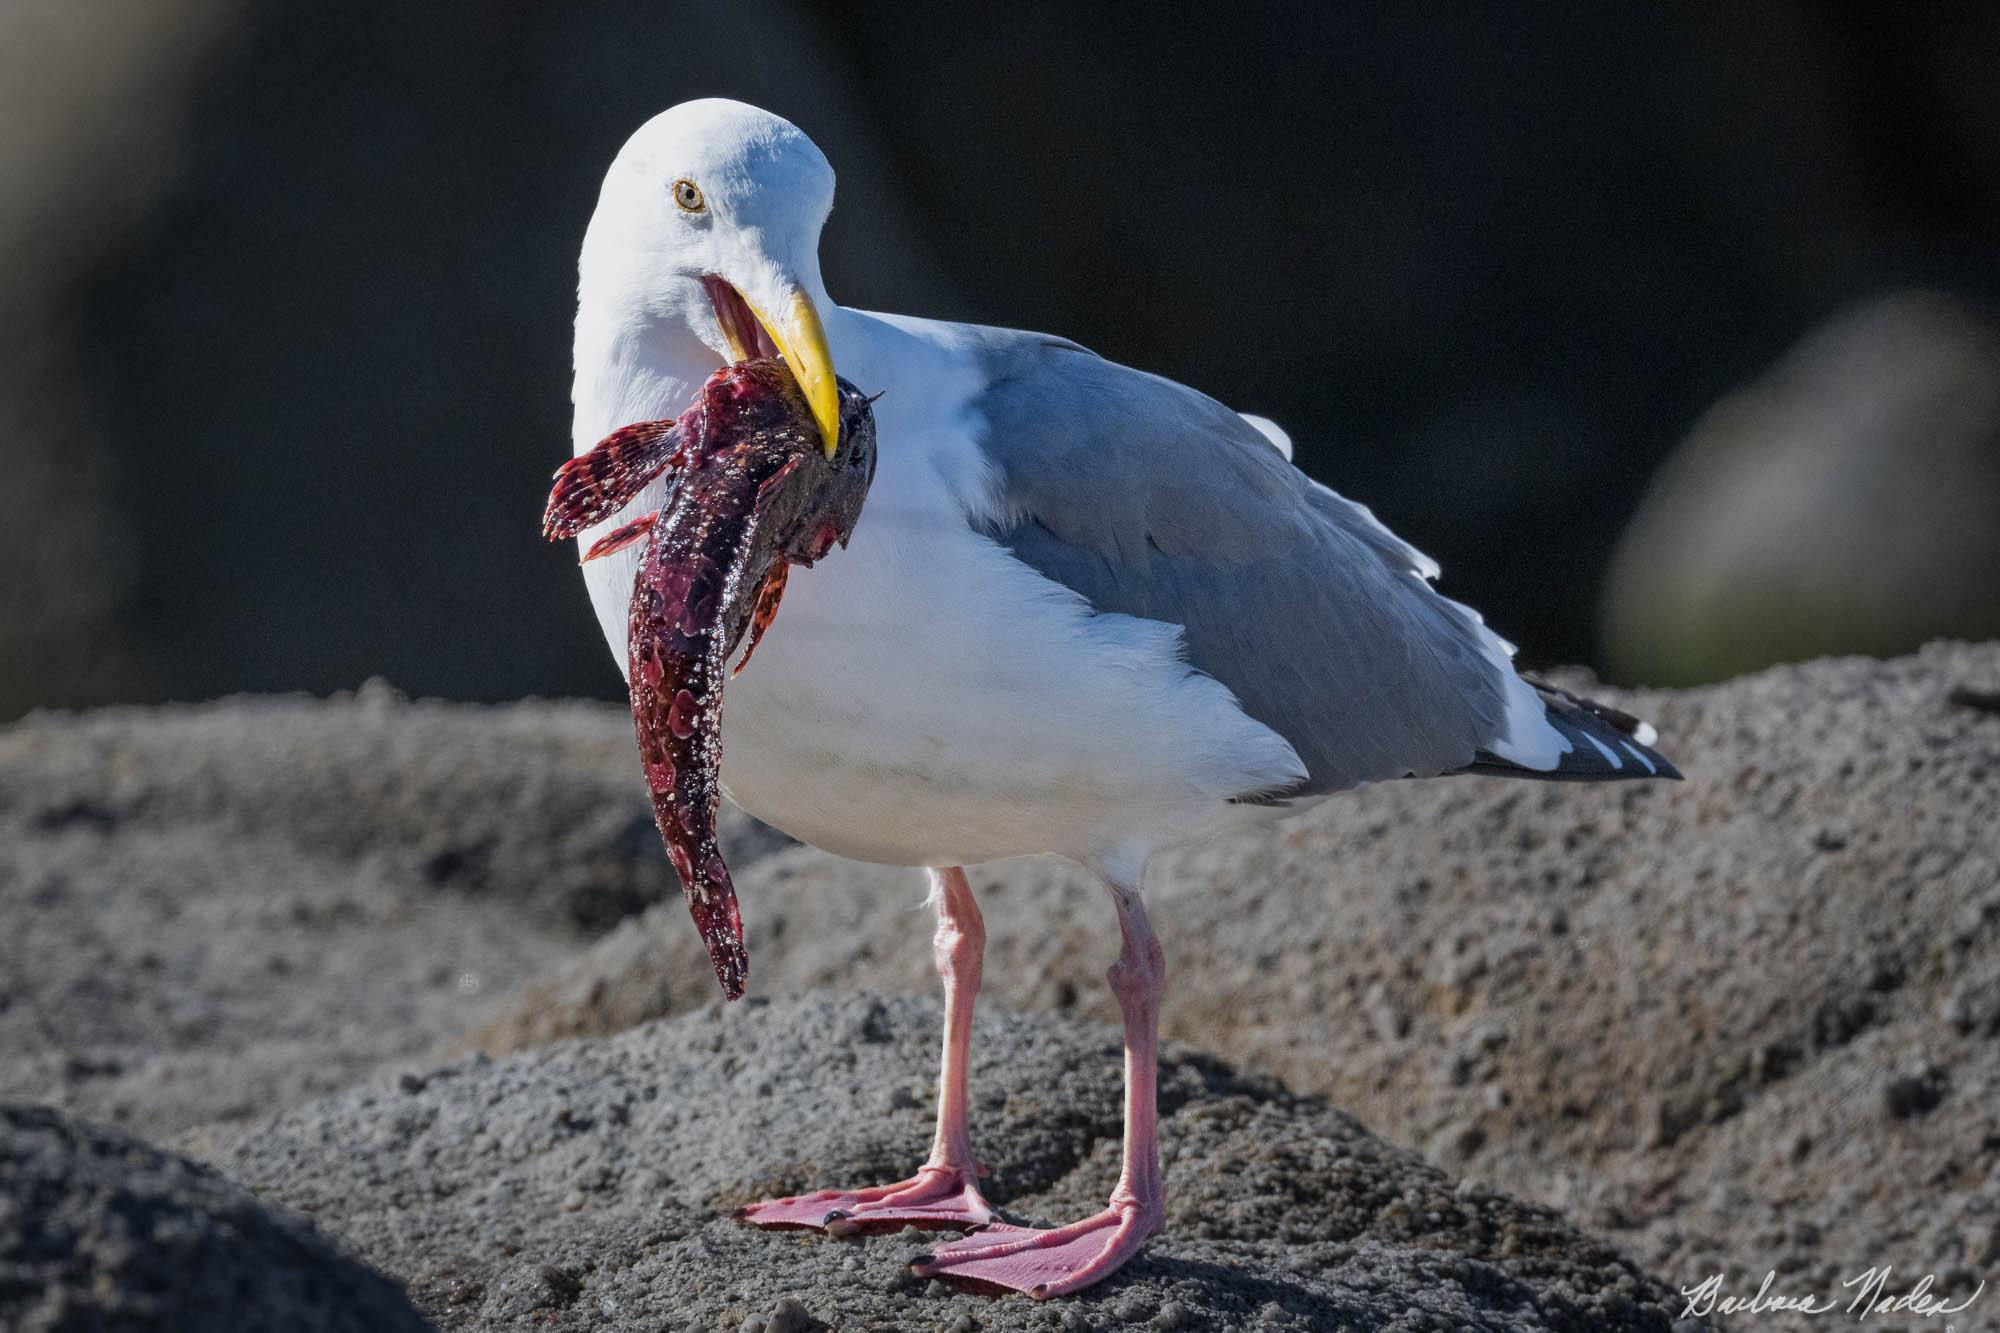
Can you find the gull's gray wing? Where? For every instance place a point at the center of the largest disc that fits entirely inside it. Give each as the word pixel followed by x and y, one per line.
pixel 1150 499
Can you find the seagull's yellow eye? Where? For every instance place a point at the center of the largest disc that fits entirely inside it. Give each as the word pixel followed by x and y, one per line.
pixel 688 195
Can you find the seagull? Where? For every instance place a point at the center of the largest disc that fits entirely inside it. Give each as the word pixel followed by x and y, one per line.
pixel 1088 611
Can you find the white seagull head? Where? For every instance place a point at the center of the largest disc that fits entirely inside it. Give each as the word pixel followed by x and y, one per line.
pixel 710 218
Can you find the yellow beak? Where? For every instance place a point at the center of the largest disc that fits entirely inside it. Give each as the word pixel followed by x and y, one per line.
pixel 801 340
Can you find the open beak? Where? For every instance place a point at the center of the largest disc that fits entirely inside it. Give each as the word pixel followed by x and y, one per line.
pixel 792 331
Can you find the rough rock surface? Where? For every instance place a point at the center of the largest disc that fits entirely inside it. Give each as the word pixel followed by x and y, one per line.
pixel 101 1231
pixel 215 911
pixel 1738 1023
pixel 589 1185
pixel 1744 1022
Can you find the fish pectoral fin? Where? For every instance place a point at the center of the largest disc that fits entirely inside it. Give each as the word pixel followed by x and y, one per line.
pixel 768 488
pixel 769 593
pixel 605 478
pixel 622 536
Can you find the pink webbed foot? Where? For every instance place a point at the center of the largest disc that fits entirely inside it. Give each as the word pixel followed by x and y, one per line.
pixel 935 1197
pixel 1045 1263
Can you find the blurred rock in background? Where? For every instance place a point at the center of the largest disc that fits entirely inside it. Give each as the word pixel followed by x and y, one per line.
pixel 91 130
pixel 289 287
pixel 1846 501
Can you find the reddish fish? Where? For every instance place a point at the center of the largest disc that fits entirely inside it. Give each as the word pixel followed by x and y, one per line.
pixel 750 493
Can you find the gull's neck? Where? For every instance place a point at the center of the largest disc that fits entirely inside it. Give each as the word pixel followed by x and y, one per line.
pixel 633 363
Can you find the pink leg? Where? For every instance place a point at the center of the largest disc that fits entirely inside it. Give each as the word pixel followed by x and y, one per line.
pixel 945 1190
pixel 1070 1258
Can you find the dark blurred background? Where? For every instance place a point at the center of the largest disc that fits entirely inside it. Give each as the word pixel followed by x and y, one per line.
pixel 1668 330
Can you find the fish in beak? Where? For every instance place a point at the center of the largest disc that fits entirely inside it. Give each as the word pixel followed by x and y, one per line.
pixel 787 326
pixel 752 493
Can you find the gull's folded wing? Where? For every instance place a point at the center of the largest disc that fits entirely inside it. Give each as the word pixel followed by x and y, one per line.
pixel 1149 499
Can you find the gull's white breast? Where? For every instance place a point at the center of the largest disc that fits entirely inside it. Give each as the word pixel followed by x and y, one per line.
pixel 923 698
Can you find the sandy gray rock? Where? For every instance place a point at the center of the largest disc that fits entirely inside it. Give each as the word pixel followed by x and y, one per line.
pixel 588 1185
pixel 216 911
pixel 101 1231
pixel 1739 1023
pixel 1691 1015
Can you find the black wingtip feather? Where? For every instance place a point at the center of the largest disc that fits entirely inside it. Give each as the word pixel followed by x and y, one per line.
pixel 1604 744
